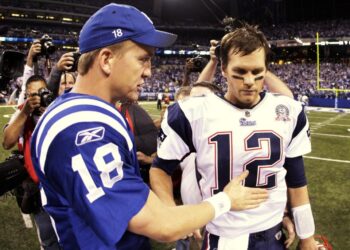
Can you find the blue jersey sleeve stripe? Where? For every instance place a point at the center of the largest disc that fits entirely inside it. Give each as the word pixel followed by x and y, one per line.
pixel 301 123
pixel 169 166
pixel 74 109
pixel 180 124
pixel 72 103
pixel 295 176
pixel 76 118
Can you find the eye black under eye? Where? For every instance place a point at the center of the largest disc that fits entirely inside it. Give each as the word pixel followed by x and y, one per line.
pixel 238 77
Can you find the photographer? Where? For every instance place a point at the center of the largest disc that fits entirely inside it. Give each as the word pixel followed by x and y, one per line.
pixel 62 77
pixel 34 50
pixel 19 130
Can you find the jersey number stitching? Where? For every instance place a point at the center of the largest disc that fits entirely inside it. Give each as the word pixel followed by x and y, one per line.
pixel 259 176
pixel 106 168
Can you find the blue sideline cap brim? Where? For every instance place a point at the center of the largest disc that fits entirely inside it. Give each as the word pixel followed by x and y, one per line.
pixel 156 38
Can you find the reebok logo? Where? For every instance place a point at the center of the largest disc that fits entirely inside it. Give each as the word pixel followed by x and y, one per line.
pixel 89 135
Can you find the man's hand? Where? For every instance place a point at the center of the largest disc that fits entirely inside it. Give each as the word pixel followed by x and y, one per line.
pixel 66 62
pixel 189 66
pixel 213 44
pixel 289 227
pixel 307 244
pixel 31 104
pixel 243 198
pixel 34 50
pixel 144 159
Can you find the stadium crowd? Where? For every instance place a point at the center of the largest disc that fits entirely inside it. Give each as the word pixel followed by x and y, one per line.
pixel 168 73
pixel 300 77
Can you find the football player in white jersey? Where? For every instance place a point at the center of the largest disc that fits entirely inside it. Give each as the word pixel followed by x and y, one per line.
pixel 248 129
pixel 84 154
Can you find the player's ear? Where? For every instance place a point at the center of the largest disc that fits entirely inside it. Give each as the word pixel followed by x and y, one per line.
pixel 223 70
pixel 105 60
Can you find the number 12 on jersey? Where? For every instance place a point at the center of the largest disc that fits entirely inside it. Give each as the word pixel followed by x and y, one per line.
pixel 257 166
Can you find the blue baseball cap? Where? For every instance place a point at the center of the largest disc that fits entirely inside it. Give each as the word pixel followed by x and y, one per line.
pixel 115 23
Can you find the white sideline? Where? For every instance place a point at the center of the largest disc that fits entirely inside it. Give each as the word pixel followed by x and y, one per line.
pixel 325 159
pixel 340 136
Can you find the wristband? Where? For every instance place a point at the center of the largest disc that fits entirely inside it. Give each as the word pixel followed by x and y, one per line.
pixel 221 203
pixel 304 221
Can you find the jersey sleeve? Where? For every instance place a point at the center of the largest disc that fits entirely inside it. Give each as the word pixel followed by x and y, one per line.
pixel 300 141
pixel 97 173
pixel 174 139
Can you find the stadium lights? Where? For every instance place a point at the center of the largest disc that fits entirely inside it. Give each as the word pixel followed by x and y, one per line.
pixel 298 40
pixel 323 43
pixel 67 19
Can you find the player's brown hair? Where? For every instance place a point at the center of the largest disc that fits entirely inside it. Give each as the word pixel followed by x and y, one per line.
pixel 244 41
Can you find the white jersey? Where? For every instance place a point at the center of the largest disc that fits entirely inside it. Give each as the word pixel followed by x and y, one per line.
pixel 190 192
pixel 228 140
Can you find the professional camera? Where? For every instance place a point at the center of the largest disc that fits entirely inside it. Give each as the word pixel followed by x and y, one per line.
pixel 230 24
pixel 47 46
pixel 46 97
pixel 76 56
pixel 198 63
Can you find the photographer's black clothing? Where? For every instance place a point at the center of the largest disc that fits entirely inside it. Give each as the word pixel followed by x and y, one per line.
pixel 28 193
pixel 53 83
pixel 145 132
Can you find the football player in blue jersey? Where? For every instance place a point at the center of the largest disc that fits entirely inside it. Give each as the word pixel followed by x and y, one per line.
pixel 84 154
pixel 247 129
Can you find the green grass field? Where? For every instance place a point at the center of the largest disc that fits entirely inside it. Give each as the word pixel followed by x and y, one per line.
pixel 328 172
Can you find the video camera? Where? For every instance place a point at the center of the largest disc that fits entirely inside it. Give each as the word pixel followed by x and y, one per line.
pixel 11 67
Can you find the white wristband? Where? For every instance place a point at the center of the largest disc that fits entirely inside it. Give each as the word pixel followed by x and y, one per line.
pixel 304 221
pixel 221 203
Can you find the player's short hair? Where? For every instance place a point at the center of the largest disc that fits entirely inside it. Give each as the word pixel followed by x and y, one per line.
pixel 86 60
pixel 244 41
pixel 209 85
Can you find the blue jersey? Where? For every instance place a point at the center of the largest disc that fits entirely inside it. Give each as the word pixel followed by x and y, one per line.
pixel 84 155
